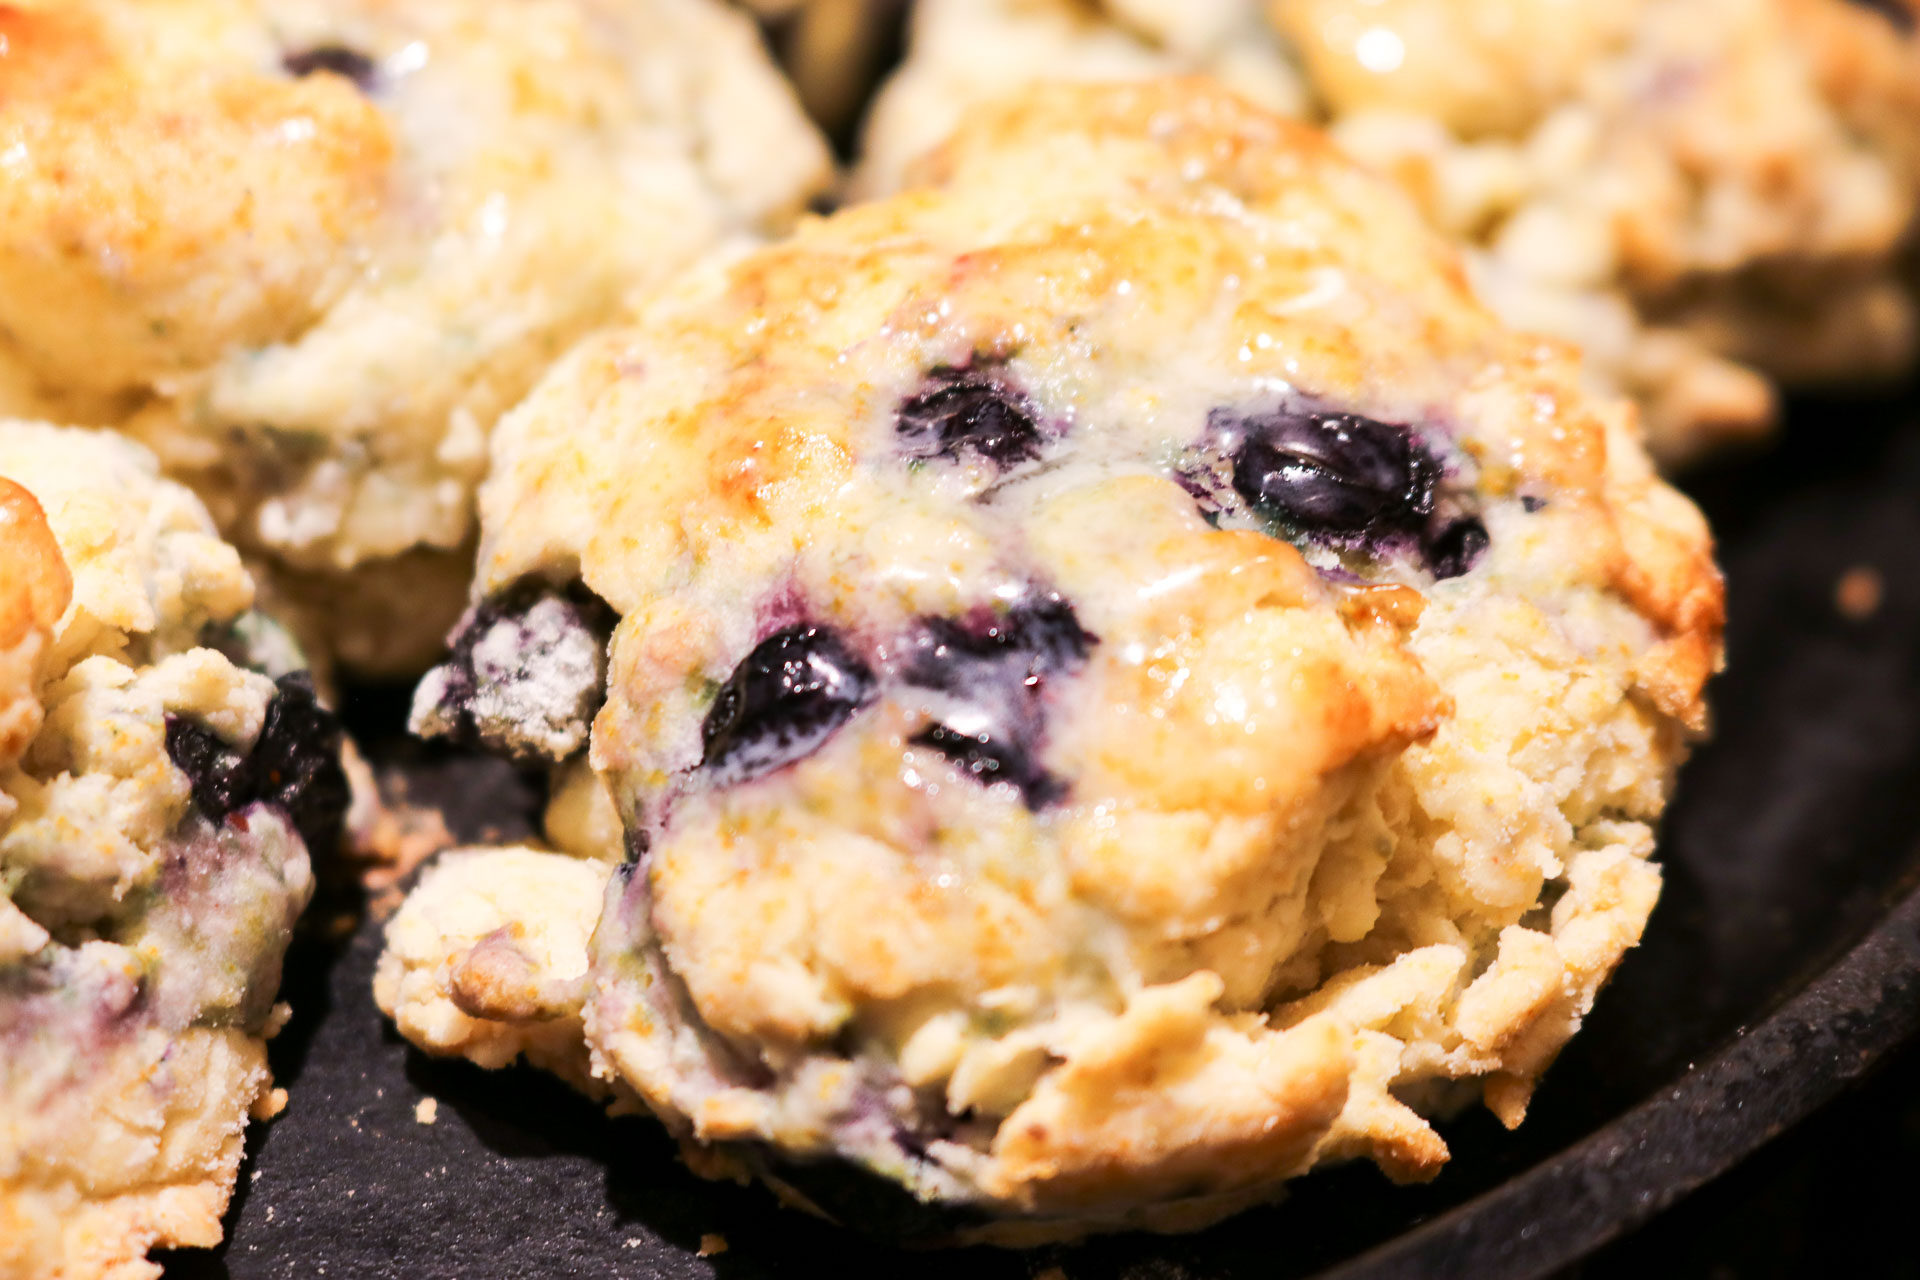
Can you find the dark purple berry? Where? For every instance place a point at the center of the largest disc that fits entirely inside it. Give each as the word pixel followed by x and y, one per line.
pixel 988 759
pixel 991 675
pixel 782 702
pixel 340 60
pixel 1027 642
pixel 1456 547
pixel 294 766
pixel 966 410
pixel 1334 473
pixel 526 674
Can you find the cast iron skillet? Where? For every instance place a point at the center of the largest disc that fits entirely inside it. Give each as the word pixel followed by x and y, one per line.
pixel 1783 959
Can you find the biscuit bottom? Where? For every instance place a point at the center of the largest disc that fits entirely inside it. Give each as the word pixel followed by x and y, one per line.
pixel 139 1153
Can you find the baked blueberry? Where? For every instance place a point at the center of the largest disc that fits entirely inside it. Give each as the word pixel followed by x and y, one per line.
pixel 969 411
pixel 1327 472
pixel 782 701
pixel 1455 546
pixel 294 765
pixel 526 673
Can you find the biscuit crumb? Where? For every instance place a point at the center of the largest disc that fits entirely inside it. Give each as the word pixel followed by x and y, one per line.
pixel 277 1019
pixel 1859 593
pixel 269 1104
pixel 712 1243
pixel 427 1110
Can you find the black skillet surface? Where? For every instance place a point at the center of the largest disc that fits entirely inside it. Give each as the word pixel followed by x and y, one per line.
pixel 1784 956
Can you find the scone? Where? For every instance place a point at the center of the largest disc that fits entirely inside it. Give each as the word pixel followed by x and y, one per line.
pixel 309 250
pixel 158 804
pixel 1709 196
pixel 1127 683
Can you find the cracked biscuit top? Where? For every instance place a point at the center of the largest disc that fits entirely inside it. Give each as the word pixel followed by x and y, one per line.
pixel 308 250
pixel 1127 679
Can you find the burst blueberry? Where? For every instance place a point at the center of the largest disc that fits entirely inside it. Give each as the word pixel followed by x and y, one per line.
pixel 526 674
pixel 1337 473
pixel 294 765
pixel 969 411
pixel 783 702
pixel 991 673
pixel 1455 546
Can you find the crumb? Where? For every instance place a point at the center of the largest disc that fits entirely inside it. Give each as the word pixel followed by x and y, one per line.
pixel 1051 1273
pixel 277 1018
pixel 269 1104
pixel 1859 593
pixel 427 1110
pixel 712 1243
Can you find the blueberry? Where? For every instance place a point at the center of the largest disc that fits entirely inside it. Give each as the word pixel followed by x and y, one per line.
pixel 782 702
pixel 1036 639
pixel 1456 546
pixel 294 765
pixel 992 675
pixel 1337 478
pixel 988 759
pixel 340 60
pixel 968 410
pixel 526 674
pixel 1335 473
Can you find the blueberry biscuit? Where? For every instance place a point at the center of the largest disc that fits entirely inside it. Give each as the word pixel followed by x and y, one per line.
pixel 308 250
pixel 158 805
pixel 1708 196
pixel 1127 682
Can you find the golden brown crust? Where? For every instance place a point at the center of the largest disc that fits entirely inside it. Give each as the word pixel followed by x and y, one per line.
pixel 163 216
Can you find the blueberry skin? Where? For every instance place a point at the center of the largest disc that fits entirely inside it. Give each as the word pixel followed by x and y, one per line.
pixel 475 701
pixel 1456 547
pixel 989 758
pixel 1041 638
pixel 996 673
pixel 1337 473
pixel 969 411
pixel 782 702
pixel 339 59
pixel 294 766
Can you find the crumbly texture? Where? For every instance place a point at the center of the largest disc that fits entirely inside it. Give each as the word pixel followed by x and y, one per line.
pixel 1709 196
pixel 1019 810
pixel 140 938
pixel 308 251
pixel 487 958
